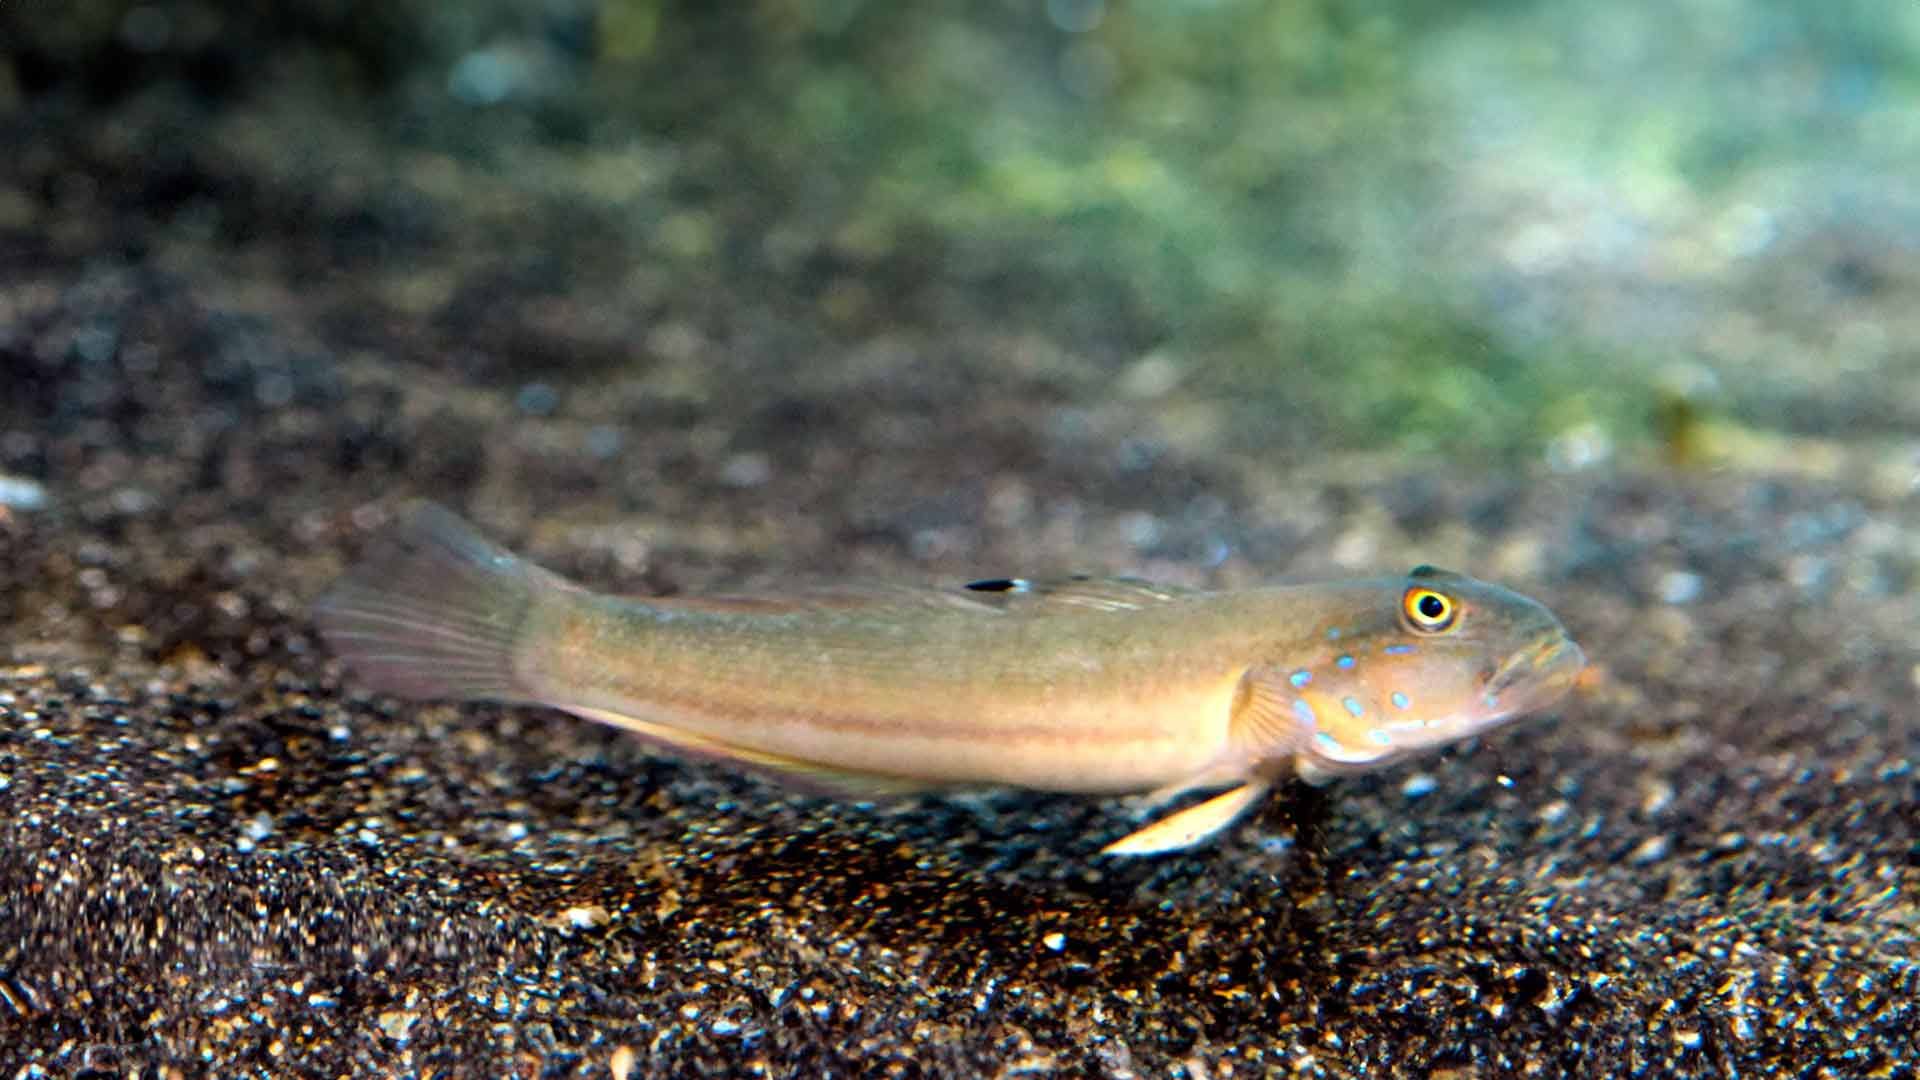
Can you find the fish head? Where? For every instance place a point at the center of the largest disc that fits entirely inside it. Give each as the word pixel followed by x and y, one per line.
pixel 1412 663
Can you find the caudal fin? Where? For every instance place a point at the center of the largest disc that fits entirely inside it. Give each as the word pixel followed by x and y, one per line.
pixel 433 611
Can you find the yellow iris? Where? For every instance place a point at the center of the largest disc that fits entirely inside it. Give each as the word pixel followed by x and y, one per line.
pixel 1428 611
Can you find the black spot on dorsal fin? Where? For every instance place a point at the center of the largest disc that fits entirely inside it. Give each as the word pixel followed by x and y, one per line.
pixel 1000 585
pixel 1080 592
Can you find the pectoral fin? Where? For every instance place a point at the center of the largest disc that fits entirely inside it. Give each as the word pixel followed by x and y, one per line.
pixel 1192 825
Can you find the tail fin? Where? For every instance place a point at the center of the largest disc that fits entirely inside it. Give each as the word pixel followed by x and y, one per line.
pixel 434 611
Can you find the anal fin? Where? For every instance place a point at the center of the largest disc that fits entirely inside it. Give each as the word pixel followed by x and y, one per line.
pixel 1188 827
pixel 809 775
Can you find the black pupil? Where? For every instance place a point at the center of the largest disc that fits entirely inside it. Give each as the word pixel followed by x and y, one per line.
pixel 1432 607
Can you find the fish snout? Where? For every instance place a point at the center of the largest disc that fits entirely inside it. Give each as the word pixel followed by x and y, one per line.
pixel 1536 675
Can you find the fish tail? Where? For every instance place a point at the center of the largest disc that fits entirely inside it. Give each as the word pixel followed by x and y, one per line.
pixel 434 611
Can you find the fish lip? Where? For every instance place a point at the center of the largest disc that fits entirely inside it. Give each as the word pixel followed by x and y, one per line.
pixel 1543 670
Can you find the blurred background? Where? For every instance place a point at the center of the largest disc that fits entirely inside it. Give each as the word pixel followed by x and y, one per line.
pixel 1614 303
pixel 1535 234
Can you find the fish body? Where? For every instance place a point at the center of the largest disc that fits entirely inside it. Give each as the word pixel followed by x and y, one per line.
pixel 1082 685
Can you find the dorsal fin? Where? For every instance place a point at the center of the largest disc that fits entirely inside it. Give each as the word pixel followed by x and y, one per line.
pixel 1080 592
pixel 991 596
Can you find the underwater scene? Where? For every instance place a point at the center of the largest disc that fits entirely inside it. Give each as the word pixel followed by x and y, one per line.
pixel 829 538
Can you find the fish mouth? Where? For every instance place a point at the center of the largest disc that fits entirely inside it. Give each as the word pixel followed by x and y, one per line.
pixel 1536 676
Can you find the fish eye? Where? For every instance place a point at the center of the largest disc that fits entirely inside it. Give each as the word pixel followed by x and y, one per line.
pixel 1428 611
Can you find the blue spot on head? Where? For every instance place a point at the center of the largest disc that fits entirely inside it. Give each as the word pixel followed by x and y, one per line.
pixel 1397 650
pixel 1305 712
pixel 1345 661
pixel 1353 706
pixel 1400 700
pixel 1330 744
pixel 1300 678
pixel 1333 634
